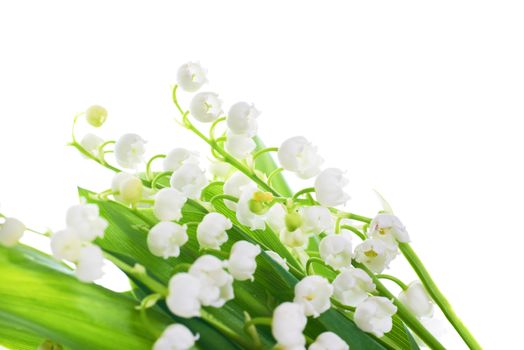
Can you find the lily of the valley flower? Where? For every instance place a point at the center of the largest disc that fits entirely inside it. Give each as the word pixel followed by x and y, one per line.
pixel 352 286
pixel 96 115
pixel 240 146
pixel 244 214
pixel 166 238
pixel 216 284
pixel 176 337
pixel 89 263
pixel 298 155
pixel 376 254
pixel 388 227
pixel 329 341
pixel 205 107
pixel 329 187
pixel 221 171
pixel 191 76
pixel 129 150
pixel 168 204
pixel 287 327
pixel 417 300
pixel 85 220
pixel 242 263
pixel 211 231
pixel 189 180
pixel 314 293
pixel 278 259
pixel 183 296
pixel 233 187
pixel 177 157
pixel 294 239
pixel 374 315
pixel 66 245
pixel 316 219
pixel 275 217
pixel 336 250
pixel 242 119
pixel 11 231
pixel 127 188
pixel 91 142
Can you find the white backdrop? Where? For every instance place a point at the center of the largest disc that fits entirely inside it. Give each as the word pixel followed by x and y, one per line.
pixel 421 101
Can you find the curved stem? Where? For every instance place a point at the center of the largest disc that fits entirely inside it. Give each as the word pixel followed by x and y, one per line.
pixel 303 191
pixel 158 177
pixel 401 284
pixel 356 231
pixel 342 306
pixel 263 151
pixel 317 261
pixel 273 174
pixel 149 162
pixel 92 157
pixel 213 126
pixel 223 196
pixel 209 318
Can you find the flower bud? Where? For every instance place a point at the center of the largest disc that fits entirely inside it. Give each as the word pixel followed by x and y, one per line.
pixel 329 187
pixel 211 232
pixel 189 180
pixel 216 284
pixel 329 341
pixel 168 204
pixel 96 115
pixel 130 150
pixel 317 219
pixel 191 76
pixel 205 107
pixel 298 155
pixel 294 239
pixel 374 315
pixel 175 337
pixel 85 220
pixel 242 263
pixel 166 238
pixel 240 146
pixel 287 327
pixel 336 250
pixel 352 286
pixel 11 231
pixel 66 245
pixel 314 293
pixel 417 300
pixel 178 157
pixel 127 188
pixel 242 119
pixel 233 187
pixel 293 220
pixel 182 299
pixel 90 263
pixel 91 142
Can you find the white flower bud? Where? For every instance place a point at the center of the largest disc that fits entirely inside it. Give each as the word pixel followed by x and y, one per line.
pixel 216 284
pixel 352 285
pixel 66 245
pixel 375 254
pixel 316 219
pixel 211 231
pixel 191 76
pixel 242 260
pixel 298 155
pixel 374 315
pixel 287 327
pixel 329 187
pixel 127 188
pixel 220 170
pixel 179 156
pixel 96 115
pixel 278 259
pixel 417 300
pixel 175 337
pixel 314 293
pixel 129 150
pixel 189 180
pixel 85 220
pixel 91 142
pixel 275 217
pixel 239 146
pixel 11 231
pixel 168 204
pixel 242 119
pixel 244 214
pixel 294 239
pixel 233 187
pixel 336 250
pixel 166 238
pixel 329 341
pixel 183 296
pixel 90 263
pixel 205 107
pixel 388 227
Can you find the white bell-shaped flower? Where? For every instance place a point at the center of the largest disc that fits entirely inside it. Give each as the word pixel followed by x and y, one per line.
pixel 233 187
pixel 278 259
pixel 242 260
pixel 329 341
pixel 287 327
pixel 96 116
pixel 375 254
pixel 276 217
pixel 85 220
pixel 220 170
pixel 216 284
pixel 211 231
pixel 91 142
pixel 178 157
pixel 298 155
pixel 336 250
pixel 66 244
pixel 316 219
pixel 130 150
pixel 166 238
pixel 90 263
pixel 294 239
pixel 11 231
pixel 352 286
pixel 183 296
pixel 189 180
pixel 374 315
pixel 314 293
pixel 242 119
pixel 176 337
pixel 388 227
pixel 168 204
pixel 239 146
pixel 329 187
pixel 417 300
pixel 205 107
pixel 244 214
pixel 127 188
pixel 191 76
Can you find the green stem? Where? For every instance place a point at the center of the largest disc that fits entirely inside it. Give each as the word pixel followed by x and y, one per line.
pixel 342 306
pixel 149 175
pixel 209 318
pixel 437 296
pixel 303 191
pixel 393 279
pixel 263 151
pixel 158 177
pixel 223 196
pixel 356 231
pixel 92 157
pixel 317 261
pixel 213 126
pixel 273 174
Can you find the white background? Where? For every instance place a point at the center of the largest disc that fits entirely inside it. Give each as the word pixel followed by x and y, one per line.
pixel 421 101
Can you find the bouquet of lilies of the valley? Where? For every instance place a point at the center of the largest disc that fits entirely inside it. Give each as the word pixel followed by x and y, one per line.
pixel 223 259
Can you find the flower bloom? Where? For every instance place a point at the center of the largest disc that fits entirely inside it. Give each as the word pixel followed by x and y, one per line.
pixel 90 263
pixel 329 187
pixel 388 227
pixel 242 119
pixel 329 341
pixel 220 170
pixel 177 157
pixel 91 142
pixel 375 254
pixel 275 217
pixel 66 245
pixel 206 107
pixel 313 292
pixel 287 327
pixel 242 263
pixel 352 285
pixel 175 337
pixel 183 296
pixel 316 219
pixel 233 187
pixel 127 188
pixel 374 315
pixel 168 204
pixel 96 115
pixel 294 239
pixel 417 300
pixel 298 155
pixel 189 180
pixel 166 238
pixel 278 259
pixel 244 214
pixel 336 250
pixel 11 231
pixel 191 76
pixel 85 220
pixel 216 284
pixel 240 146
pixel 129 150
pixel 211 231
